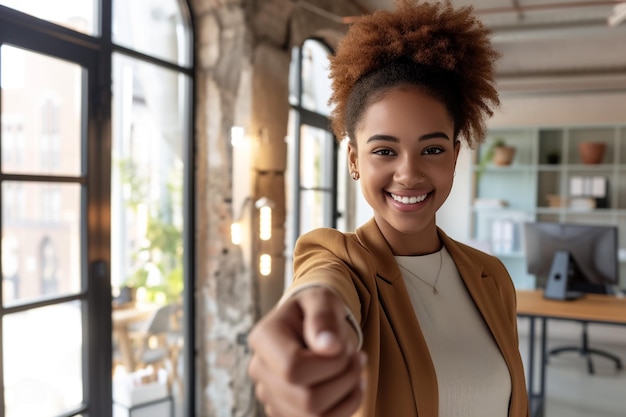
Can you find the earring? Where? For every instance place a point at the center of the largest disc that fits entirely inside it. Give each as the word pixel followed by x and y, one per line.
pixel 355 175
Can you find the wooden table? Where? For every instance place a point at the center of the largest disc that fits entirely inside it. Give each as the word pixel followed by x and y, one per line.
pixel 122 318
pixel 592 308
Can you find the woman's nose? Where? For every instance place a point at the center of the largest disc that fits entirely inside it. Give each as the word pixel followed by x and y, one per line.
pixel 408 172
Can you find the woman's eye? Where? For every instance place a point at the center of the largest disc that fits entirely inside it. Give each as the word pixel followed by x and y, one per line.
pixel 383 152
pixel 433 150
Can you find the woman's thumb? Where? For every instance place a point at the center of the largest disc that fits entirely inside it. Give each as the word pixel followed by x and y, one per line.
pixel 324 322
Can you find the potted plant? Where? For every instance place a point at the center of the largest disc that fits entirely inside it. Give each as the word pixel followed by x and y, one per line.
pixel 553 157
pixel 498 153
pixel 591 152
pixel 503 154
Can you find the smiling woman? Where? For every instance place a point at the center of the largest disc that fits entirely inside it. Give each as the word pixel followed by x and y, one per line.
pixel 397 318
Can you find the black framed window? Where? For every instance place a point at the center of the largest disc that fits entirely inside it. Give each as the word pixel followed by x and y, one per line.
pixel 320 193
pixel 95 142
pixel 313 154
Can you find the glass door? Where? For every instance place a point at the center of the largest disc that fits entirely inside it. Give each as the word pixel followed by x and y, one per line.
pixel 53 281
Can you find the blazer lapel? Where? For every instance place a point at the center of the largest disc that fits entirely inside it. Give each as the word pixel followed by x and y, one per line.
pixel 397 306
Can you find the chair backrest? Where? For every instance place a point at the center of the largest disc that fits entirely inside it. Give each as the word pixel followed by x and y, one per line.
pixel 159 322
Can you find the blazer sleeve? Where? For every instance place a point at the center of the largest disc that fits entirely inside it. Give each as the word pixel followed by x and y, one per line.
pixel 334 260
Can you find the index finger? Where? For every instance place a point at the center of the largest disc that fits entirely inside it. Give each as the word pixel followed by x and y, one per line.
pixel 277 341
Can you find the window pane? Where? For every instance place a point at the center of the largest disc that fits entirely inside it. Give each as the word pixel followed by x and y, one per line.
pixel 155 27
pixel 315 82
pixel 41 113
pixel 41 240
pixel 79 15
pixel 43 381
pixel 315 210
pixel 316 157
pixel 149 144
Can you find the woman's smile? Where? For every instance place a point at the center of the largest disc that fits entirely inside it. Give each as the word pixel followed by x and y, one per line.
pixel 408 204
pixel 408 200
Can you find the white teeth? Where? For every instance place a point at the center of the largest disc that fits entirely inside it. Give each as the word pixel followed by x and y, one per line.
pixel 408 200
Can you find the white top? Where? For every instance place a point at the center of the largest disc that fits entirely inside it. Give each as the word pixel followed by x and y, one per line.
pixel 472 376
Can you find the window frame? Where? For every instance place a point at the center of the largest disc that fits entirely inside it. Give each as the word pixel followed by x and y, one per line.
pixel 304 116
pixel 95 53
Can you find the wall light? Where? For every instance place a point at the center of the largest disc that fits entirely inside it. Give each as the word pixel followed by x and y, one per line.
pixel 239 232
pixel 264 205
pixel 235 233
pixel 265 264
pixel 237 136
pixel 265 223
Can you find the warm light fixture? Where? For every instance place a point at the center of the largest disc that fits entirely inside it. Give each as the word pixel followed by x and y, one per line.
pixel 235 233
pixel 265 223
pixel 264 205
pixel 237 136
pixel 240 222
pixel 265 264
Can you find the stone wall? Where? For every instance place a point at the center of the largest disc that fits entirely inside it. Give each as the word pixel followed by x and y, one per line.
pixel 242 67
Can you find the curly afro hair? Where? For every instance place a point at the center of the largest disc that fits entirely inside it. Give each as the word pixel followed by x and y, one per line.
pixel 445 52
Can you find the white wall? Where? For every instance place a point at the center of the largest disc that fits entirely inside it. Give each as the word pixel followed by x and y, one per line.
pixel 363 210
pixel 454 216
pixel 567 108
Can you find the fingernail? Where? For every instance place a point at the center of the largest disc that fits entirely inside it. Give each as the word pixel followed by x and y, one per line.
pixel 325 339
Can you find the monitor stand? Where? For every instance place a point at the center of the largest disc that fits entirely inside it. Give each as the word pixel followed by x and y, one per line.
pixel 564 268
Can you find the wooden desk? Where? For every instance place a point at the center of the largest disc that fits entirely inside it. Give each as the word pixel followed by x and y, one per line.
pixel 592 308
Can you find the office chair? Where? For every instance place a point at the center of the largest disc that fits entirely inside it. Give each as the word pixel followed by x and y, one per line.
pixel 152 346
pixel 587 352
pixel 159 342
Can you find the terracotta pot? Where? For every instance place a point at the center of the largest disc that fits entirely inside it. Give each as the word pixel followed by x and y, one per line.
pixel 591 152
pixel 503 155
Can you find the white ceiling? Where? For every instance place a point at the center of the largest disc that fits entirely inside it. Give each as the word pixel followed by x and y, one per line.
pixel 543 40
pixel 506 13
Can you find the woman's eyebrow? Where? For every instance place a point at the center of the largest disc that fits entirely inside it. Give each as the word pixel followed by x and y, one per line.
pixel 434 135
pixel 389 138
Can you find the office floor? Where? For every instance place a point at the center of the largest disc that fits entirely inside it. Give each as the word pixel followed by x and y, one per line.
pixel 570 390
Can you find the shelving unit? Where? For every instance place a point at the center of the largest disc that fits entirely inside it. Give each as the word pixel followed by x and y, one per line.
pixel 542 184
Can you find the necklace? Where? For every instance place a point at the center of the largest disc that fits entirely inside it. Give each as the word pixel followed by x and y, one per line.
pixel 433 286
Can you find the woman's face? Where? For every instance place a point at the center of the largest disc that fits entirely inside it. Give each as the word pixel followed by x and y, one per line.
pixel 405 155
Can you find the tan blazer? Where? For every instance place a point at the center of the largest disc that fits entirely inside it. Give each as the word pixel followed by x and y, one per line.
pixel 361 268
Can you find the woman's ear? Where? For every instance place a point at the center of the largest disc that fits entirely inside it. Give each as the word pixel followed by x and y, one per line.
pixel 352 158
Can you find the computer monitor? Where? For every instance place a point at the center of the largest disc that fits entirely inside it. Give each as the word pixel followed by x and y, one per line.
pixel 572 259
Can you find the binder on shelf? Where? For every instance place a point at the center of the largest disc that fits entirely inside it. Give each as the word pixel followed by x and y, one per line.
pixel 590 187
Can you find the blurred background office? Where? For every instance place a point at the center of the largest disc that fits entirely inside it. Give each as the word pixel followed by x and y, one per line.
pixel 160 157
